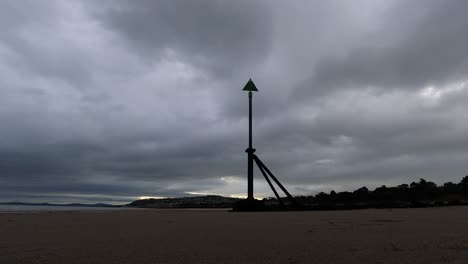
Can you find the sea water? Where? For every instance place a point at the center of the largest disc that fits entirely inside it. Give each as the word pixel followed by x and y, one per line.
pixel 41 208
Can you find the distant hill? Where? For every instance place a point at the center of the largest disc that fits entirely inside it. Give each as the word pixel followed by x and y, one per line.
pixel 208 201
pixel 416 194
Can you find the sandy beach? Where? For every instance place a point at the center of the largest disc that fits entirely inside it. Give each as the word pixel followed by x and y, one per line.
pixel 430 235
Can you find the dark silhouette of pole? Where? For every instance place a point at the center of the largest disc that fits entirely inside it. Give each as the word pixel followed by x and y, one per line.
pixel 250 86
pixel 250 119
pixel 251 157
pixel 250 153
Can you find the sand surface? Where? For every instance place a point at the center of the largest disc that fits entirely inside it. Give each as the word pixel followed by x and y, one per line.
pixel 431 235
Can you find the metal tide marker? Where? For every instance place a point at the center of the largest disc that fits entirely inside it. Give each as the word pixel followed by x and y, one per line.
pixel 250 86
pixel 251 157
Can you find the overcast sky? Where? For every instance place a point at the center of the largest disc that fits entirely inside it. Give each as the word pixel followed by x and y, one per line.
pixel 108 101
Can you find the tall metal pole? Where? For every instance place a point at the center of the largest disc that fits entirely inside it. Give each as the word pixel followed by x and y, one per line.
pixel 251 205
pixel 250 119
pixel 250 152
pixel 250 87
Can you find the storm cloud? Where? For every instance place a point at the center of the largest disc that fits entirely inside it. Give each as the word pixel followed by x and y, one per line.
pixel 108 101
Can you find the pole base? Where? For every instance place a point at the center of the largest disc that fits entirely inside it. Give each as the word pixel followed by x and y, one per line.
pixel 249 205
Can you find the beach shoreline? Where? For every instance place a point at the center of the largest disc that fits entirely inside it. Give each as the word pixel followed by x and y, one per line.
pixel 423 235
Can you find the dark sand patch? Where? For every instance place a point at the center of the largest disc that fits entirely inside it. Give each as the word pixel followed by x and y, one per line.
pixel 429 235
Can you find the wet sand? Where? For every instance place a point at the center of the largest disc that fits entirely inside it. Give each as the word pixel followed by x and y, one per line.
pixel 429 235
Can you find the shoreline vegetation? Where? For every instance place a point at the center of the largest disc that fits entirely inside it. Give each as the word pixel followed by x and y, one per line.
pixel 414 195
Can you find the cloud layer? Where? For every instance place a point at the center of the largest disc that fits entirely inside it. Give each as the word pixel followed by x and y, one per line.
pixel 112 100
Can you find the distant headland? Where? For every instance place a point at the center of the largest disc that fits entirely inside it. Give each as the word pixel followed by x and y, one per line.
pixel 416 194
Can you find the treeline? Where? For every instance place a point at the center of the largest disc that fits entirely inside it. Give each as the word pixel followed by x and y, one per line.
pixel 417 194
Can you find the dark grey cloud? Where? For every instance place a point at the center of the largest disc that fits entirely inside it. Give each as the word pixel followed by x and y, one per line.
pixel 114 100
pixel 417 44
pixel 217 36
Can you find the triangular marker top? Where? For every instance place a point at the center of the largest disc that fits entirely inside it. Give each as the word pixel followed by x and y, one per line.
pixel 250 86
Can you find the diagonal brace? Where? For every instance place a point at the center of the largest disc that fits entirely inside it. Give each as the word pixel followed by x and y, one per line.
pixel 261 165
pixel 268 180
